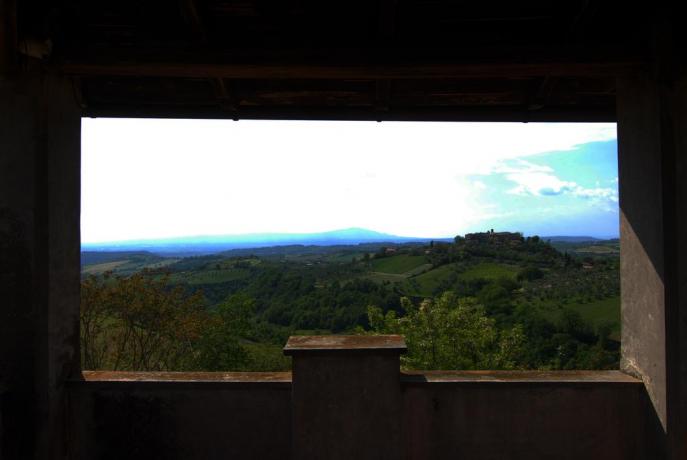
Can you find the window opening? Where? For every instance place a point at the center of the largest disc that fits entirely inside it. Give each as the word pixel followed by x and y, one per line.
pixel 206 243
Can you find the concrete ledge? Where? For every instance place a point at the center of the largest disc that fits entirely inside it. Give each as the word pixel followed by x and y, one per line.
pixel 529 377
pixel 179 379
pixel 408 377
pixel 345 344
pixel 124 376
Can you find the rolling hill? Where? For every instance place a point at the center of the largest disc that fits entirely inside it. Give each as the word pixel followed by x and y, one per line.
pixel 208 244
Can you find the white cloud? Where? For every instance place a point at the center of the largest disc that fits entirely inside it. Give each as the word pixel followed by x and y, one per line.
pixel 532 179
pixel 604 193
pixel 539 184
pixel 538 180
pixel 520 167
pixel 159 178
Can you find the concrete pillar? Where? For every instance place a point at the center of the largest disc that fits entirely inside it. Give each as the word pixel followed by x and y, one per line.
pixel 641 239
pixel 346 396
pixel 652 147
pixel 39 260
pixel 674 98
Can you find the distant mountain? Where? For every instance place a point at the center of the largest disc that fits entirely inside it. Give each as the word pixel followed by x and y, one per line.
pixel 217 243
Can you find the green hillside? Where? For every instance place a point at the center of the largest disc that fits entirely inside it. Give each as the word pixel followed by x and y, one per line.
pixel 427 283
pixel 398 264
pixel 602 311
pixel 211 276
pixel 558 301
pixel 490 271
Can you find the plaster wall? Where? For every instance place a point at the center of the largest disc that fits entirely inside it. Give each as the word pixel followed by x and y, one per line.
pixel 39 260
pixel 641 237
pixel 603 418
pixel 526 421
pixel 177 420
pixel 652 147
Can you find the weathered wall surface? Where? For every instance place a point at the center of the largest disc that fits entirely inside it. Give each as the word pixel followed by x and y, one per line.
pixel 525 420
pixel 19 308
pixel 348 406
pixel 678 327
pixel 441 415
pixel 40 129
pixel 641 236
pixel 652 173
pixel 346 396
pixel 180 420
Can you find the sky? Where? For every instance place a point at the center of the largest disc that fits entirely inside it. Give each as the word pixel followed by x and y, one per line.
pixel 152 178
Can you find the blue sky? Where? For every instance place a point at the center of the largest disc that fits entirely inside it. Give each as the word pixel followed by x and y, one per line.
pixel 148 179
pixel 571 192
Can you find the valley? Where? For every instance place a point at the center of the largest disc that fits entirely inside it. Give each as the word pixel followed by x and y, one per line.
pixel 560 298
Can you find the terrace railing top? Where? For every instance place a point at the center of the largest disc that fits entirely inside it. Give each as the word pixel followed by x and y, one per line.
pixel 345 343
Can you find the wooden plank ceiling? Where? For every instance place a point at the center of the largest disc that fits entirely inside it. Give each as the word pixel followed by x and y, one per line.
pixel 344 59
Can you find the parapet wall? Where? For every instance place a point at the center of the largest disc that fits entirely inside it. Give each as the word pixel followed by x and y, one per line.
pixel 524 415
pixel 349 400
pixel 116 415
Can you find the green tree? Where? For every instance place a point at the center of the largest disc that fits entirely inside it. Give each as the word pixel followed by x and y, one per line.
pixel 219 347
pixel 530 274
pixel 138 323
pixel 450 333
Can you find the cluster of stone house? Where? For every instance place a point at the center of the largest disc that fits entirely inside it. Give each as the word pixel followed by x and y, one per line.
pixel 494 238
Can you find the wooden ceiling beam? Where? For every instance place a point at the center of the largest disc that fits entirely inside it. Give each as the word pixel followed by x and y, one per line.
pixel 493 114
pixel 353 72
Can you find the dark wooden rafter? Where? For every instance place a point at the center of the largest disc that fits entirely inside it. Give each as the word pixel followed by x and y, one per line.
pixel 382 95
pixel 542 93
pixel 79 96
pixel 385 35
pixel 386 60
pixel 387 20
pixel 482 113
pixel 354 71
pixel 582 20
pixel 226 97
pixel 466 12
pixel 190 14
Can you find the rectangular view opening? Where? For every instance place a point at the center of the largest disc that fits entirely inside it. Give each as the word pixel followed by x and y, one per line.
pixel 207 243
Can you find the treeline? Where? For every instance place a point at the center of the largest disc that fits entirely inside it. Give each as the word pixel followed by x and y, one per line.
pixel 140 323
pixel 295 300
pixel 295 296
pixel 451 332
